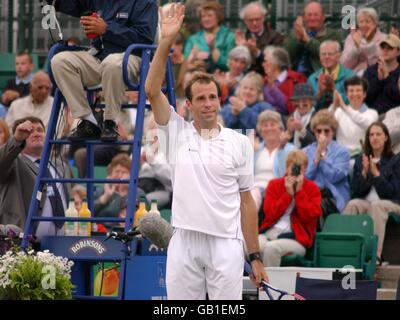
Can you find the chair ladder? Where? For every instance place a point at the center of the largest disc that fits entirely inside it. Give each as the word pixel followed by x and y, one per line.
pixel 89 180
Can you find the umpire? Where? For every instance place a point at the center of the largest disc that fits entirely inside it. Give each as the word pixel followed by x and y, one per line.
pixel 112 26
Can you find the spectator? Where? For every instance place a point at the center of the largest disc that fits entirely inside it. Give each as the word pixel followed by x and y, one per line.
pixel 330 77
pixel 270 155
pixel 19 86
pixel 4 132
pixel 291 209
pixel 244 108
pixel 124 23
pixel 299 124
pixel 280 79
pixel 355 118
pixel 154 173
pixel 376 181
pixel 258 35
pixel 37 104
pixel 213 42
pixel 239 61
pixel 328 163
pixel 391 121
pixel 361 46
pixel 383 77
pixel 304 42
pixel 78 193
pixel 19 161
pixel 107 198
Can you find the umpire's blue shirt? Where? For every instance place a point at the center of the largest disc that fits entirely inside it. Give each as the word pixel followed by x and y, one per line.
pixel 128 21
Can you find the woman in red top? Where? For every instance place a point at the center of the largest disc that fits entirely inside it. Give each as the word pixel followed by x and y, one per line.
pixel 292 205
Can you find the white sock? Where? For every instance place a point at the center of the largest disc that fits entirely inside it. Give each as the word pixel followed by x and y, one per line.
pixel 90 117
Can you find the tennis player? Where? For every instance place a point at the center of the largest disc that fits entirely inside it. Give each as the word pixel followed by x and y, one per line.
pixel 213 212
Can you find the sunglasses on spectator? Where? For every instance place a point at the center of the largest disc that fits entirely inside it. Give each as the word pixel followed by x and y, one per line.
pixel 326 131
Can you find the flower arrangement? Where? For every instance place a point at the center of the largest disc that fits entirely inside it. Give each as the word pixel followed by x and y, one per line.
pixel 35 276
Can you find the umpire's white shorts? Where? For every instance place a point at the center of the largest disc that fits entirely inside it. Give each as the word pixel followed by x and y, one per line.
pixel 198 263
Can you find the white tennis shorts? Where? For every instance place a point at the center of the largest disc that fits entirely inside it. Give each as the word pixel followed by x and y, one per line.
pixel 199 263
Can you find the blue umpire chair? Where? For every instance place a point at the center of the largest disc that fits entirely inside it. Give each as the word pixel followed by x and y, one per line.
pixel 88 251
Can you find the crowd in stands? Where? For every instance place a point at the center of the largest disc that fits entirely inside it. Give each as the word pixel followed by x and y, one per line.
pixel 326 105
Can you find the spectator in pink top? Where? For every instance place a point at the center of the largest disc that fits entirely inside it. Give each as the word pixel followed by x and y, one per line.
pixel 361 46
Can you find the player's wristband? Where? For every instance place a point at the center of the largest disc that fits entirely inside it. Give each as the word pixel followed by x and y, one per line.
pixel 255 256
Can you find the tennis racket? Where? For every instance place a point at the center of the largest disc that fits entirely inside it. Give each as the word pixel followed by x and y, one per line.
pixel 269 289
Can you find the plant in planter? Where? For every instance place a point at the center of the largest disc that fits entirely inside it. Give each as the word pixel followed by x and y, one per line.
pixel 35 276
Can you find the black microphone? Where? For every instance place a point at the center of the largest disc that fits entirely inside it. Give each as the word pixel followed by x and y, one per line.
pixel 122 236
pixel 152 227
pixel 112 234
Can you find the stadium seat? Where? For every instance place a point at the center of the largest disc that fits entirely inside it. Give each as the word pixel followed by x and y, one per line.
pixel 318 289
pixel 100 172
pixel 295 260
pixel 347 240
pixel 166 214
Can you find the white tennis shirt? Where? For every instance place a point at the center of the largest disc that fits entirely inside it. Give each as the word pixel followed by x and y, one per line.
pixel 207 177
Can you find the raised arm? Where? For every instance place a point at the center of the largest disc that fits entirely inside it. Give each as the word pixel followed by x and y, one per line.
pixel 10 151
pixel 170 26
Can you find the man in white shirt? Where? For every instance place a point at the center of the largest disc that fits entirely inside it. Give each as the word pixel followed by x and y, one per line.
pixel 37 104
pixel 212 178
pixel 355 118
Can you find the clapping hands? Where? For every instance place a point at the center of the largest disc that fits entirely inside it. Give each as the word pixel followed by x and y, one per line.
pixel 300 32
pixel 237 105
pixel 369 164
pixel 338 101
pixel 383 71
pixel 294 125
